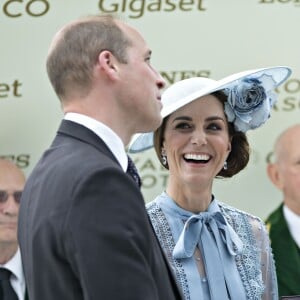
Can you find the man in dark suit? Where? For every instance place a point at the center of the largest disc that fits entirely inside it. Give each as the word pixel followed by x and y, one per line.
pixel 284 221
pixel 12 181
pixel 83 229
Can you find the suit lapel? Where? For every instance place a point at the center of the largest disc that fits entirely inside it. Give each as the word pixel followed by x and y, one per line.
pixel 286 251
pixel 82 133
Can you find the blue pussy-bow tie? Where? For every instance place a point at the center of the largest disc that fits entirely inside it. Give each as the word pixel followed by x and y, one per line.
pixel 219 244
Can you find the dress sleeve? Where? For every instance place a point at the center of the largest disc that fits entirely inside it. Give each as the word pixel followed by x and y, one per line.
pixel 267 264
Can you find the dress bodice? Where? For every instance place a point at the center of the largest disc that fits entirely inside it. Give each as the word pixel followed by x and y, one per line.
pixel 250 266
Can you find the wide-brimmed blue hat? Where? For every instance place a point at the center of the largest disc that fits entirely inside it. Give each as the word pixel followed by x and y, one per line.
pixel 250 97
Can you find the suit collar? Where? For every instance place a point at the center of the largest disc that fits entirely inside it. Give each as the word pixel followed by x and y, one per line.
pixel 80 132
pixel 110 137
pixel 293 222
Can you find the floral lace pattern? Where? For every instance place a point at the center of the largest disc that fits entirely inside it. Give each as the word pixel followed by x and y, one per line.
pixel 164 234
pixel 255 264
pixel 248 263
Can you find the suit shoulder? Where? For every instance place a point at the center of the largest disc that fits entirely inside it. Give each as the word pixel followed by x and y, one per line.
pixel 276 215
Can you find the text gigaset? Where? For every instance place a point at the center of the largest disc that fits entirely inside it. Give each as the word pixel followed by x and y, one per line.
pixel 137 8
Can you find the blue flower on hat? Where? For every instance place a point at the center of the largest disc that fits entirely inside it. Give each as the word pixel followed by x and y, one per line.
pixel 249 102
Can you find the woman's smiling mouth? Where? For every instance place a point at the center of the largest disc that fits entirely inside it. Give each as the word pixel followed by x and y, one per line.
pixel 196 158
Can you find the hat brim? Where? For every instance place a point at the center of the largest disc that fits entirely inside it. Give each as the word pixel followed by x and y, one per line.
pixel 278 74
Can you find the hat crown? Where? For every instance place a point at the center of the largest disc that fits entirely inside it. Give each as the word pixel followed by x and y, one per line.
pixel 185 88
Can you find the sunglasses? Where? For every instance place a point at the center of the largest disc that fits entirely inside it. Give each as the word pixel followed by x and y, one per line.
pixel 4 196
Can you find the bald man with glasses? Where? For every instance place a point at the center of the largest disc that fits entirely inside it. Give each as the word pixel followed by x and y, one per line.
pixel 12 181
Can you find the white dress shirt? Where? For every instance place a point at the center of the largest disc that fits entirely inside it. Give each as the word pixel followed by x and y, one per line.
pixel 17 279
pixel 110 138
pixel 293 222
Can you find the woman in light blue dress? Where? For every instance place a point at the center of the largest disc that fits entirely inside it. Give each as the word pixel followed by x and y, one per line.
pixel 217 252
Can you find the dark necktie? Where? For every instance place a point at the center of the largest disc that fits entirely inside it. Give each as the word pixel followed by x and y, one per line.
pixel 131 169
pixel 6 290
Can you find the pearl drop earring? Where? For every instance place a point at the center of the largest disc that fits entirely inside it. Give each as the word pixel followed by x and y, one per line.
pixel 225 165
pixel 164 158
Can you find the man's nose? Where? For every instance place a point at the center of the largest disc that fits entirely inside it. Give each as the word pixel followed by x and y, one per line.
pixel 10 206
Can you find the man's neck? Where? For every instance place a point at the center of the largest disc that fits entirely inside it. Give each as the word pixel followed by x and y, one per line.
pixel 7 251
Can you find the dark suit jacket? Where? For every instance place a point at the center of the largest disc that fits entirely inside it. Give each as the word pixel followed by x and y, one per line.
pixel 83 228
pixel 286 254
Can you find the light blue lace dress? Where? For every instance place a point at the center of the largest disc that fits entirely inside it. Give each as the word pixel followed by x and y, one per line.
pixel 219 254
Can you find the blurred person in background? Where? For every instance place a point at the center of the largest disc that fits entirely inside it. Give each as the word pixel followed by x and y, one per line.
pixel 284 222
pixel 12 282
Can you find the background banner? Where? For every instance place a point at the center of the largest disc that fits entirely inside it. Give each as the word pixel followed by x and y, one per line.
pixel 209 38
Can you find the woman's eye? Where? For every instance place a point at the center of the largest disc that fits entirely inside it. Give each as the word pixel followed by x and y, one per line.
pixel 183 126
pixel 214 126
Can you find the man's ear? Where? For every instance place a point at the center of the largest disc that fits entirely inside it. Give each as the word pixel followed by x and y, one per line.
pixel 274 175
pixel 108 63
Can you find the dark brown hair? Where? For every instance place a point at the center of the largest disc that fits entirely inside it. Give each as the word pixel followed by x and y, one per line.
pixel 240 152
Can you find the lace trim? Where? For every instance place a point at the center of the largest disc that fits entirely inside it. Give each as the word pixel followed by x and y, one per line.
pixel 164 234
pixel 248 263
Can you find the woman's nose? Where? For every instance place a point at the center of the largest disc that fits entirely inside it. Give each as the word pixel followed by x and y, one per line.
pixel 199 138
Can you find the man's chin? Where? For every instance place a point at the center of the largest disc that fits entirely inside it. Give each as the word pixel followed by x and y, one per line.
pixel 156 124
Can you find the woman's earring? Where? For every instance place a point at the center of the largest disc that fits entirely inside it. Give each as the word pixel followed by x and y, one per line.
pixel 164 158
pixel 225 165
